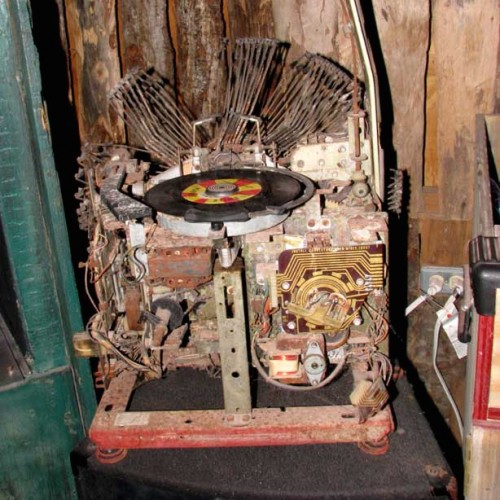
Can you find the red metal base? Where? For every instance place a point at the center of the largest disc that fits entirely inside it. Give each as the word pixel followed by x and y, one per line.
pixel 113 427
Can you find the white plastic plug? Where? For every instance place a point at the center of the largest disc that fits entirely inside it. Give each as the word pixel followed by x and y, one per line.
pixel 436 283
pixel 457 284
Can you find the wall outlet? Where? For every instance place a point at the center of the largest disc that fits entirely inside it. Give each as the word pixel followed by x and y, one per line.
pixel 446 272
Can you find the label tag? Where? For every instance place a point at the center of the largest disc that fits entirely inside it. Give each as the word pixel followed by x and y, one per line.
pixel 449 320
pixel 127 419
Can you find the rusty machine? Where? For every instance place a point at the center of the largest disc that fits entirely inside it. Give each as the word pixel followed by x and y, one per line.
pixel 250 241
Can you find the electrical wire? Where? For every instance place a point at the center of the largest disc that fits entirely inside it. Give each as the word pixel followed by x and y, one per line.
pixel 101 339
pixel 86 284
pixel 435 345
pixel 256 362
pixel 381 325
pixel 139 264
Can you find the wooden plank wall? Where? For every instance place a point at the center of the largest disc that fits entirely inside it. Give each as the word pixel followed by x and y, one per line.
pixel 445 52
pixel 441 59
pixel 183 41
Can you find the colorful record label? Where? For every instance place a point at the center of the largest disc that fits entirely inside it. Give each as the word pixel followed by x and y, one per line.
pixel 221 191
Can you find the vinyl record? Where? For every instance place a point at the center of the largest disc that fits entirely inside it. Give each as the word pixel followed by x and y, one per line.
pixel 228 195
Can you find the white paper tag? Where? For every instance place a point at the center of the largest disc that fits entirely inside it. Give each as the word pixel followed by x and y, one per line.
pixel 127 419
pixel 449 319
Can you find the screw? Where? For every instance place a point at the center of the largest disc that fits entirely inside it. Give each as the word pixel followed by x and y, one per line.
pixel 357 321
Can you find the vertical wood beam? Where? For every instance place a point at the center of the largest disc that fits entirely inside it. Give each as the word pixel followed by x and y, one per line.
pixel 466 38
pixel 198 41
pixel 95 67
pixel 403 29
pixel 145 42
pixel 144 35
pixel 310 25
pixel 247 18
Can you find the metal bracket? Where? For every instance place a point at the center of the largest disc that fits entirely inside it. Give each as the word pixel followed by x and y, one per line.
pixel 233 343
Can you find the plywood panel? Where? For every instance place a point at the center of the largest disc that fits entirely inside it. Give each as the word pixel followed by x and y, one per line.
pixel 95 67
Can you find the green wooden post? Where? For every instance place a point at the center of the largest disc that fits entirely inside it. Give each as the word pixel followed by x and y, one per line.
pixel 43 417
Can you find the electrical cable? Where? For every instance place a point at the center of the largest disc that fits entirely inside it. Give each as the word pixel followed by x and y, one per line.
pixel 107 344
pixel 86 284
pixel 435 344
pixel 293 388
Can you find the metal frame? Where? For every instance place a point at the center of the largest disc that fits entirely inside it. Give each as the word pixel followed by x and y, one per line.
pixel 115 428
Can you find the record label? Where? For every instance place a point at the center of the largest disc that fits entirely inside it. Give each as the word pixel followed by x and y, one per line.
pixel 221 191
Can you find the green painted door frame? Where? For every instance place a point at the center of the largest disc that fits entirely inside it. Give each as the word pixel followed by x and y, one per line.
pixel 46 414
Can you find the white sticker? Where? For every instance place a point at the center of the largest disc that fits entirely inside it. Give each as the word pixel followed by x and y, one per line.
pixel 336 355
pixel 127 419
pixel 449 319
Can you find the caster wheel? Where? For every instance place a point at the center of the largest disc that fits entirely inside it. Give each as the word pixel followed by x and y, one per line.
pixel 110 456
pixel 380 447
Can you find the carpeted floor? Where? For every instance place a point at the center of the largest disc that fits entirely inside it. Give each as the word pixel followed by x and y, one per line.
pixel 413 468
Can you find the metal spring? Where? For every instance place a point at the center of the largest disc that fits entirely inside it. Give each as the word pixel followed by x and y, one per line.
pixel 395 192
pixel 314 97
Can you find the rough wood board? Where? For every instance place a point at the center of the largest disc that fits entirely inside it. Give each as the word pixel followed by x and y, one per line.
pixel 403 28
pixel 198 41
pixel 63 35
pixel 145 37
pixel 431 171
pixel 247 18
pixel 314 26
pixel 144 34
pixel 444 242
pixel 95 67
pixel 466 37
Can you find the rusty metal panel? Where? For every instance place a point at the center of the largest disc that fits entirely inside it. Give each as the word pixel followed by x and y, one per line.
pixel 114 428
pixel 181 266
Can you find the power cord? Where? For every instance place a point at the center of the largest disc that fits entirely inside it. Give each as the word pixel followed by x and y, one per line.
pixel 448 311
pixel 436 283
